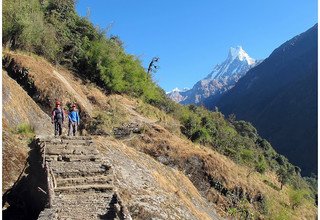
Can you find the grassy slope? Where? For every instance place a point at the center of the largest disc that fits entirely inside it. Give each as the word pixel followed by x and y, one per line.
pixel 161 137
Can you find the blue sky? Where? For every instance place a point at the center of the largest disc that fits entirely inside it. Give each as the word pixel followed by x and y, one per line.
pixel 191 37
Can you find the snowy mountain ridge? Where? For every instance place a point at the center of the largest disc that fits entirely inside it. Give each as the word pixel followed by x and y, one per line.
pixel 221 79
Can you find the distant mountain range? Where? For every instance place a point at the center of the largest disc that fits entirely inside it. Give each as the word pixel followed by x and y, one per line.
pixel 279 96
pixel 221 79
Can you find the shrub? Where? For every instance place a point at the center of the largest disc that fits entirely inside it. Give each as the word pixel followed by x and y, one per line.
pixel 264 144
pixel 296 197
pixel 25 129
pixel 246 129
pixel 232 211
pixel 283 214
pixel 313 183
pixel 201 135
pixel 247 156
pixel 261 164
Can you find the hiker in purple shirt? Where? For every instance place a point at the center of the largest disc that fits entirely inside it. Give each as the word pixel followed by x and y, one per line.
pixel 57 119
pixel 74 120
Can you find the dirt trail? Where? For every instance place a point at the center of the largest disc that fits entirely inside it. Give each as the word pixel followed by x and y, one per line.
pixel 138 117
pixel 81 100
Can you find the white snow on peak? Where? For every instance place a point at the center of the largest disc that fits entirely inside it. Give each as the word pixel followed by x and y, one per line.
pixel 238 52
pixel 176 90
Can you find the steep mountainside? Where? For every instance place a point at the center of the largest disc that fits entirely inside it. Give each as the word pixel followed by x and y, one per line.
pixel 158 172
pixel 221 79
pixel 280 98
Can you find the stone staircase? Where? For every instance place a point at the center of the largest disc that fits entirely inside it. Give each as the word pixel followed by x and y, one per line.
pixel 80 182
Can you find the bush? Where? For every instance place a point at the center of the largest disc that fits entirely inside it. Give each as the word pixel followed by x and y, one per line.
pixel 264 144
pixel 201 135
pixel 247 156
pixel 283 214
pixel 25 129
pixel 261 165
pixel 246 129
pixel 297 197
pixel 313 183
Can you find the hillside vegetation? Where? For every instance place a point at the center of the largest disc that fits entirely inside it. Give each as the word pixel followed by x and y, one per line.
pixel 230 165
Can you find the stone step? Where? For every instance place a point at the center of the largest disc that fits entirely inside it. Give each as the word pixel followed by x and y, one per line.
pixel 76 214
pixel 102 179
pixel 52 148
pixel 63 137
pixel 68 142
pixel 76 169
pixel 85 197
pixel 84 188
pixel 73 158
pixel 67 214
pixel 68 149
pixel 77 142
pixel 76 137
pixel 82 206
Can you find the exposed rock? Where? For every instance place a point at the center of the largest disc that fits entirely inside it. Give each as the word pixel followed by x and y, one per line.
pixel 126 130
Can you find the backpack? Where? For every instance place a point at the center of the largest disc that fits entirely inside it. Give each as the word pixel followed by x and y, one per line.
pixel 58 114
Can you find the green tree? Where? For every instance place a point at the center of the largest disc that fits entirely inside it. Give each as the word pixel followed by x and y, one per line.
pixel 246 129
pixel 283 176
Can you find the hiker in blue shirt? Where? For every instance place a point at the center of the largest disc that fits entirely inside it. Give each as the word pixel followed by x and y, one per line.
pixel 74 120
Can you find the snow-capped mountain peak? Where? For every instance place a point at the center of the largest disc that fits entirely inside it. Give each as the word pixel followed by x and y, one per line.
pixel 222 78
pixel 238 52
pixel 238 61
pixel 178 90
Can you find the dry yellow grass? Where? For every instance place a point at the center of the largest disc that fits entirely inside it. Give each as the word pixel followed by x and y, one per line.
pixel 53 83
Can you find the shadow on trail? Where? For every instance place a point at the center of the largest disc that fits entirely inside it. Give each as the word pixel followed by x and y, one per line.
pixel 111 212
pixel 26 199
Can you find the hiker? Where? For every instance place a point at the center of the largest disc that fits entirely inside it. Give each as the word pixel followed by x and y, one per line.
pixel 74 120
pixel 57 119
